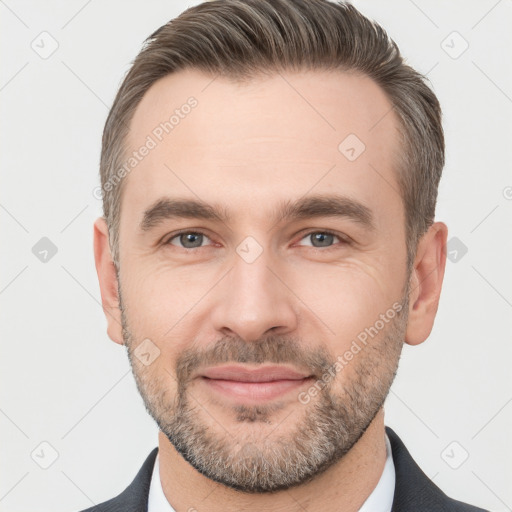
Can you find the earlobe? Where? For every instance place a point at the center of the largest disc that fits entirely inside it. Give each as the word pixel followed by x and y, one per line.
pixel 107 280
pixel 426 282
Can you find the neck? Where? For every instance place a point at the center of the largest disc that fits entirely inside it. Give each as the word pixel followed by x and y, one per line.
pixel 344 486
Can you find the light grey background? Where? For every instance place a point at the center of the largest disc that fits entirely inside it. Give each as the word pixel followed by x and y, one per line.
pixel 65 383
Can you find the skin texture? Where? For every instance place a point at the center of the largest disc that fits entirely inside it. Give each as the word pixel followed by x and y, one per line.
pixel 247 148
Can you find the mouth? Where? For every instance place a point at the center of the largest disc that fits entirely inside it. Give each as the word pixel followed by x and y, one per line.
pixel 253 384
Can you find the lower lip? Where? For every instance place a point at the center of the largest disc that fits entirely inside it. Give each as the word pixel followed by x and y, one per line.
pixel 254 391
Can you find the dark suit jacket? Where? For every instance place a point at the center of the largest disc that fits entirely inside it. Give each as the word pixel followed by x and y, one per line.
pixel 414 491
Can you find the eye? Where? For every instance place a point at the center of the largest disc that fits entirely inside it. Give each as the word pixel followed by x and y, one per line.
pixel 196 239
pixel 320 239
pixel 188 239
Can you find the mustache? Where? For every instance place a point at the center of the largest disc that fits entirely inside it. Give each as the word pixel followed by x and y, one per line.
pixel 271 349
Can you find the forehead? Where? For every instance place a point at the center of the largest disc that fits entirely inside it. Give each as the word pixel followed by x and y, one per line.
pixel 273 137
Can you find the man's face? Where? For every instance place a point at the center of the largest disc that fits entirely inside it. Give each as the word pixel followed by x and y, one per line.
pixel 250 287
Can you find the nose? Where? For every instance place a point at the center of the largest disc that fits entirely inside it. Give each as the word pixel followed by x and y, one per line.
pixel 254 300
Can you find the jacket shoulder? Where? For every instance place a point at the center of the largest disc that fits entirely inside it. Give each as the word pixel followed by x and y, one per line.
pixel 414 491
pixel 135 497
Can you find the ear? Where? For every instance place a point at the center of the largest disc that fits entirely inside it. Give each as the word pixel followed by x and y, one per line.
pixel 108 281
pixel 426 282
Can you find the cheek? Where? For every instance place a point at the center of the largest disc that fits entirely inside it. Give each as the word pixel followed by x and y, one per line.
pixel 347 298
pixel 158 304
pixel 155 283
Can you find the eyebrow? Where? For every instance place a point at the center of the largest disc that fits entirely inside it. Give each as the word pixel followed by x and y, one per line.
pixel 325 205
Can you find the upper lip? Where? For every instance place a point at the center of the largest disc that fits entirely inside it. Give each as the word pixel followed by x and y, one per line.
pixel 260 374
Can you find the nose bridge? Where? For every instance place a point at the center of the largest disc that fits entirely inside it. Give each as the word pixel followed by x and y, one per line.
pixel 252 299
pixel 251 280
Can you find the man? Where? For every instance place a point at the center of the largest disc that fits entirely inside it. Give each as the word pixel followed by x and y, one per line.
pixel 269 173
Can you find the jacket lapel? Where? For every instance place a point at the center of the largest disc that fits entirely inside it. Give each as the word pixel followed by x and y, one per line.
pixel 414 491
pixel 135 497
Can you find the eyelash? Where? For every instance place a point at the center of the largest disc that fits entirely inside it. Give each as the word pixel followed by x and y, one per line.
pixel 343 240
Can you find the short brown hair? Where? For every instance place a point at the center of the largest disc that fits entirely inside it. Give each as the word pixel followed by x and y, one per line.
pixel 240 39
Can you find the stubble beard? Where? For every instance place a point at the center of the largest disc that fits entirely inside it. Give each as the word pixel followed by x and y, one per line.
pixel 324 430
